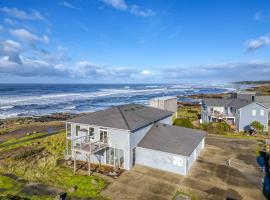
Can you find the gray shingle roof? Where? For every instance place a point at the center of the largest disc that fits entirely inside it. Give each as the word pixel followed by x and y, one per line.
pixel 172 139
pixel 128 117
pixel 234 103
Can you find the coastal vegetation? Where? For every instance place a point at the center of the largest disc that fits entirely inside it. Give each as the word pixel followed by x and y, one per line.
pixel 184 122
pixel 220 128
pixel 261 89
pixel 38 162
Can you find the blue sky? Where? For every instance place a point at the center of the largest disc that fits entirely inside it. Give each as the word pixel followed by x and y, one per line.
pixel 127 41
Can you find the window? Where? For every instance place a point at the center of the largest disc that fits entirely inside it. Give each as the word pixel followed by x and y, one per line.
pixel 115 157
pixel 262 112
pixel 91 132
pixel 77 130
pixel 253 112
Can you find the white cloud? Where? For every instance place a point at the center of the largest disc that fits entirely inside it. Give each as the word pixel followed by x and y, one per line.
pixel 28 37
pixel 118 4
pixel 136 10
pixel 9 46
pixel 145 72
pixel 222 72
pixel 11 50
pixel 30 67
pixel 133 9
pixel 68 5
pixel 20 14
pixel 260 42
pixel 89 69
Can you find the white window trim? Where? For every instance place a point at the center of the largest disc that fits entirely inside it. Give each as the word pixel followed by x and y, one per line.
pixel 262 112
pixel 254 112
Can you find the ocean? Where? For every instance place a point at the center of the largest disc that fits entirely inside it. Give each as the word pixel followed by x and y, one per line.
pixel 40 99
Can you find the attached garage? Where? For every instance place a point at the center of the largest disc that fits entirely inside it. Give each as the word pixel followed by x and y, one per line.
pixel 170 148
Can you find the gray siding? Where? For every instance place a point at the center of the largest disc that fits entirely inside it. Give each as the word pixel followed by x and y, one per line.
pixel 161 160
pixel 137 136
pixel 246 117
pixel 167 161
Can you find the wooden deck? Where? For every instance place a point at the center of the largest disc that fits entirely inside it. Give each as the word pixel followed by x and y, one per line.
pixel 89 148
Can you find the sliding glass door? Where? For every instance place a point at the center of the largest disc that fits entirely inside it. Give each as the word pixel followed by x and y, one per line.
pixel 115 157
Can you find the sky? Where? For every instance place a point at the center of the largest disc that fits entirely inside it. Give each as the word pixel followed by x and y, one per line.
pixel 128 41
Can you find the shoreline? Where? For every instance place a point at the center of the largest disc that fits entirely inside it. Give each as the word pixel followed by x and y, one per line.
pixel 7 123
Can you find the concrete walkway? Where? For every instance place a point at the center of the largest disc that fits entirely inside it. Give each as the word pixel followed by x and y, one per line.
pixel 209 178
pixel 143 183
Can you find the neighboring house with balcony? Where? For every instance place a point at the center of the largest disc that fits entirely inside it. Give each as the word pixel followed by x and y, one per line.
pixel 239 113
pixel 124 135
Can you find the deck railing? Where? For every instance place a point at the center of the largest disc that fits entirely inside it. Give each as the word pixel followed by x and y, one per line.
pixel 85 144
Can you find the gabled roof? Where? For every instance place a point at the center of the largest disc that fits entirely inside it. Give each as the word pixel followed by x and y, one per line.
pixel 127 117
pixel 234 103
pixel 172 139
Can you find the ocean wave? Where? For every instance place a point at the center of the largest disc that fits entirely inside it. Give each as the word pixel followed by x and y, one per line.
pixel 77 99
pixel 6 107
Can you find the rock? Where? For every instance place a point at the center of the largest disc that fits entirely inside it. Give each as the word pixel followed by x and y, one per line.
pixel 69 162
pixel 94 182
pixel 72 189
pixel 112 174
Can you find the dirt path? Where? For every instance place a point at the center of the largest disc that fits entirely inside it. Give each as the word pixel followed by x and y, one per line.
pixel 30 139
pixel 39 127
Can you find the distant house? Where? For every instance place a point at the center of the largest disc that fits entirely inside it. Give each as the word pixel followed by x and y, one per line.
pixel 166 103
pixel 124 135
pixel 239 111
pixel 244 95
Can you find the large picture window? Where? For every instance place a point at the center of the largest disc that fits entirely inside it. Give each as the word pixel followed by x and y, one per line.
pixel 115 157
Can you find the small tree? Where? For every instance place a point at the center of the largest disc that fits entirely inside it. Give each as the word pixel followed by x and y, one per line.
pixel 258 126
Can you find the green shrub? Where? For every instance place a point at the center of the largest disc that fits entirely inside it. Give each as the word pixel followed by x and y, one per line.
pixel 258 126
pixel 184 122
pixel 217 127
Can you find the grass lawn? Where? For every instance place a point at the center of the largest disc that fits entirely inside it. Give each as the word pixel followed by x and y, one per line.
pixel 37 161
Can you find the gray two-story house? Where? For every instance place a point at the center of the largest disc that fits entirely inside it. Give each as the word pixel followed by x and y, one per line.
pixel 125 135
pixel 239 113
